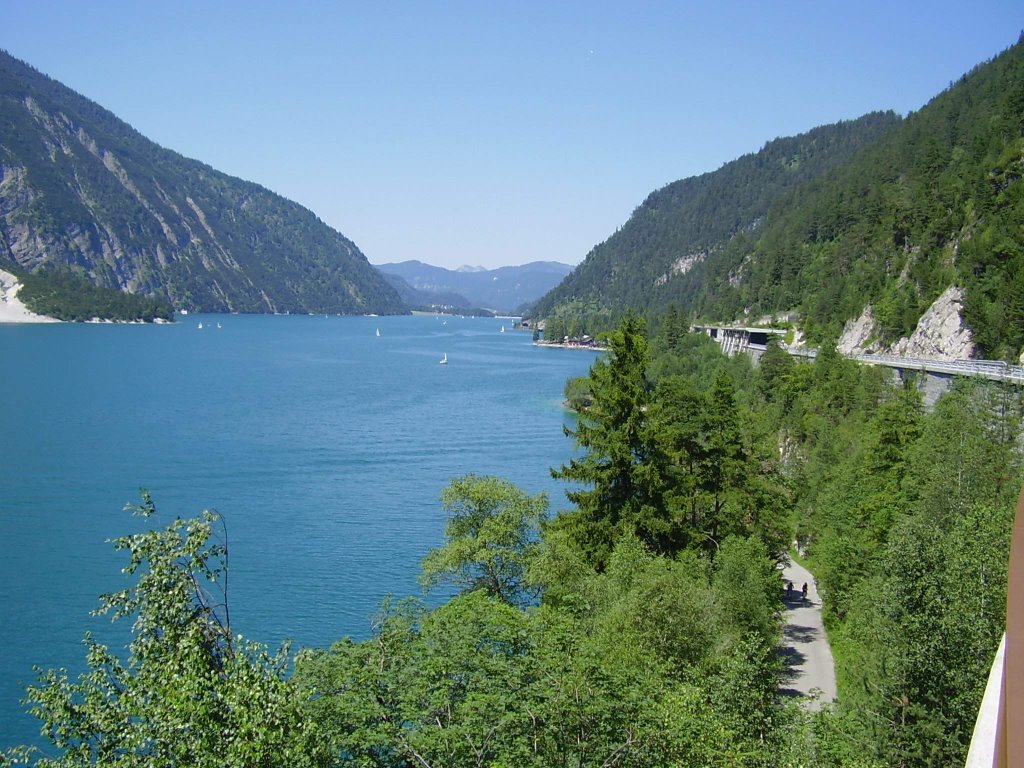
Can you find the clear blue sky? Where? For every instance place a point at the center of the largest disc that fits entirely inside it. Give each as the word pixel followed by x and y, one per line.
pixel 492 133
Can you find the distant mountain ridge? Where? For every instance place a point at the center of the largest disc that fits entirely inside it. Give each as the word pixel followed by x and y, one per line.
pixel 82 189
pixel 412 297
pixel 505 289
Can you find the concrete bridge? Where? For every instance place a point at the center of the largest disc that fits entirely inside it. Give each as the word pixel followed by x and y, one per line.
pixel 737 338
pixel 934 377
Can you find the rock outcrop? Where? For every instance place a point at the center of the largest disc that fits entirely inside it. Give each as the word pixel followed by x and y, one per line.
pixel 858 335
pixel 12 310
pixel 940 333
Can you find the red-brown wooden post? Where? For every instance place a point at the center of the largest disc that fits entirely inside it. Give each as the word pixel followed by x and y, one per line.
pixel 1010 732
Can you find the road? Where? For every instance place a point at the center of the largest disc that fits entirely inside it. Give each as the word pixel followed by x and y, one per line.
pixel 810 671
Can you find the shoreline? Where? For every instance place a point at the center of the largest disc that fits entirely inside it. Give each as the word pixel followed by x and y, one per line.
pixel 563 345
pixel 12 310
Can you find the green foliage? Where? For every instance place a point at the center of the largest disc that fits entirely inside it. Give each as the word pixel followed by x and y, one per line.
pixel 747 584
pixel 645 608
pixel 612 431
pixel 909 522
pixel 676 466
pixel 577 393
pixel 906 514
pixel 190 692
pixel 480 683
pixel 490 538
pixel 67 296
pixel 578 318
pixel 775 374
pixel 476 683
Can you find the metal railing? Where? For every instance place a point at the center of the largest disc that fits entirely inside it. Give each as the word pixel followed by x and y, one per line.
pixel 736 339
pixel 989 369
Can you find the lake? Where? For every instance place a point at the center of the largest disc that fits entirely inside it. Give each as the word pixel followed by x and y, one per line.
pixel 323 445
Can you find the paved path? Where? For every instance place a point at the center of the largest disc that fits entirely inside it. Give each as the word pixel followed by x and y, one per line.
pixel 805 647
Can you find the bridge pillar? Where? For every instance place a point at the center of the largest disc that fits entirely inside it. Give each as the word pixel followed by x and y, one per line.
pixel 935 386
pixel 931 384
pixel 734 341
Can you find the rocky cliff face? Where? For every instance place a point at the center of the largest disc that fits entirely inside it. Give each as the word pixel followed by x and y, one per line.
pixel 858 335
pixel 82 189
pixel 940 333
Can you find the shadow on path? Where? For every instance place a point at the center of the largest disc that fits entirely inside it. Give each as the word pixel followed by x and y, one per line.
pixel 805 653
pixel 800 634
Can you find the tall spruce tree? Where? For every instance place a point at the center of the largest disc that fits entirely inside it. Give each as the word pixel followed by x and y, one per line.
pixel 623 481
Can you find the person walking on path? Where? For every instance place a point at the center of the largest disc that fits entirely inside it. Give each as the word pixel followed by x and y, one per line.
pixel 810 668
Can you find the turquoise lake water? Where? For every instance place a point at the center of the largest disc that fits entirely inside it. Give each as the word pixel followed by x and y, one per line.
pixel 323 445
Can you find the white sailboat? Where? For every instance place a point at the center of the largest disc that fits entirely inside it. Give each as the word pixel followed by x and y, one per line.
pixel 444 359
pixel 503 329
pixel 200 326
pixel 378 331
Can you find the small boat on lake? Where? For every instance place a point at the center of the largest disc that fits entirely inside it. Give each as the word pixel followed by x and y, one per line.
pixel 200 326
pixel 378 331
pixel 444 359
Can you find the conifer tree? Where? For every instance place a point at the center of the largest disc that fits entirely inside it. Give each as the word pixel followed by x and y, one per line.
pixel 623 481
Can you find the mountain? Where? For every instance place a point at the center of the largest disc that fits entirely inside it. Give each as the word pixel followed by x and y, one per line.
pixel 683 225
pixel 414 298
pixel 80 188
pixel 933 209
pixel 877 214
pixel 504 289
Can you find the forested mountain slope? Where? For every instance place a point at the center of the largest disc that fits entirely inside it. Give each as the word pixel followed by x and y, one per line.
pixel 654 258
pixel 81 188
pixel 935 201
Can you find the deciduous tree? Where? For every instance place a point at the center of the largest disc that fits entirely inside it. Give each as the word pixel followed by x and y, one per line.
pixel 190 692
pixel 492 534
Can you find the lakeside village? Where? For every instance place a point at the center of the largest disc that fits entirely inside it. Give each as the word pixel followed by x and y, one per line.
pixel 565 342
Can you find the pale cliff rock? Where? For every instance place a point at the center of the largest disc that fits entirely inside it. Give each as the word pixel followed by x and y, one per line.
pixel 681 266
pixel 858 335
pixel 12 310
pixel 940 333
